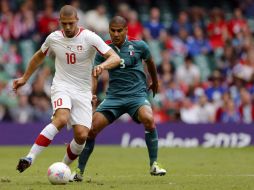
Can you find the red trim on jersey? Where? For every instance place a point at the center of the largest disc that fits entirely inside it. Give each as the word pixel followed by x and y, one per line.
pixel 132 39
pixel 98 50
pixel 42 141
pixel 70 154
pixel 45 52
pixel 80 30
pixel 62 32
pixel 108 42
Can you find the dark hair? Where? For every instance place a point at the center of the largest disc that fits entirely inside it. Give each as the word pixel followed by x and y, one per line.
pixel 118 20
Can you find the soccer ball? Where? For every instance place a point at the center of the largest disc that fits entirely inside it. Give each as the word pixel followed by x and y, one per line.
pixel 59 173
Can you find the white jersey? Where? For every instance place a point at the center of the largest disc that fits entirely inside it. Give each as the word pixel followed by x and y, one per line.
pixel 74 58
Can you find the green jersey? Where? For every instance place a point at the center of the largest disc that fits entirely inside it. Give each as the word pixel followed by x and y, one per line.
pixel 129 79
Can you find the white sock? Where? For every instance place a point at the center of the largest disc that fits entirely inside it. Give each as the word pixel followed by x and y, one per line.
pixel 42 141
pixel 73 150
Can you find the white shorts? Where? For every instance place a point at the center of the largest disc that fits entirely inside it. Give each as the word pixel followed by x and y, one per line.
pixel 79 104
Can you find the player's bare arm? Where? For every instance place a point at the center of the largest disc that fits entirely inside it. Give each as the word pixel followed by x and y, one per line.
pixel 153 73
pixel 94 89
pixel 112 61
pixel 34 63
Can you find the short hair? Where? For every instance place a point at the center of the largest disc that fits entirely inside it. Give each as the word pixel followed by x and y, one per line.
pixel 118 20
pixel 68 10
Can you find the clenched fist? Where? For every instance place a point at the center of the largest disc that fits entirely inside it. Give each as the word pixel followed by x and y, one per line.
pixel 18 83
pixel 97 70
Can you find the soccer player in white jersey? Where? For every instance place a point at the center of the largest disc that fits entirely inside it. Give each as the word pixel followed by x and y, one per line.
pixel 74 49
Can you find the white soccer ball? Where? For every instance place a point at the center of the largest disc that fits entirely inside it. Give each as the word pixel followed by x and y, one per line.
pixel 59 173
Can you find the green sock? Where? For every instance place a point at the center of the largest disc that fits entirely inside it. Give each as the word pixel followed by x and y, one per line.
pixel 152 144
pixel 85 154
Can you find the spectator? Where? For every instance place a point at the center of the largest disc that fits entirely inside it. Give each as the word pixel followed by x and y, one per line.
pixel 228 113
pixel 97 21
pixel 11 61
pixel 215 89
pixel 198 45
pixel 24 112
pixel 181 23
pixel 166 66
pixel 205 109
pixel 197 17
pixel 189 112
pixel 160 115
pixel 246 107
pixel 123 10
pixel 80 13
pixel 135 28
pixel 8 30
pixel 42 108
pixel 153 28
pixel 28 39
pixel 248 8
pixel 237 23
pixel 188 75
pixel 6 98
pixel 47 21
pixel 217 29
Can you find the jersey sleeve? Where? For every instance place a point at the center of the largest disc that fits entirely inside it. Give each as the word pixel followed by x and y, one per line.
pixel 95 41
pixel 45 47
pixel 146 54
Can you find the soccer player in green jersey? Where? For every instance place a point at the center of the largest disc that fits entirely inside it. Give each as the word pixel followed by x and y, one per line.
pixel 127 93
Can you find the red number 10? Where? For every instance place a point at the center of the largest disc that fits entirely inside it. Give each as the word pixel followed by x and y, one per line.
pixel 58 102
pixel 71 58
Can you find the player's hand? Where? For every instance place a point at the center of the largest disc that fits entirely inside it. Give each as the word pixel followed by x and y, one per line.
pixel 18 83
pixel 154 87
pixel 94 100
pixel 97 70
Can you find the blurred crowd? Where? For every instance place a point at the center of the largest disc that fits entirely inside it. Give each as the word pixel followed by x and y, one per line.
pixel 204 58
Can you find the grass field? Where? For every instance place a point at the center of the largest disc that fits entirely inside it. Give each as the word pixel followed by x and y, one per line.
pixel 127 168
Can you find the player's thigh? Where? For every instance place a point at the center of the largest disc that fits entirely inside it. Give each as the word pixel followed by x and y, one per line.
pixel 81 111
pixel 134 105
pixel 112 108
pixel 61 104
pixel 100 121
pixel 144 113
pixel 60 99
pixel 61 117
pixel 145 116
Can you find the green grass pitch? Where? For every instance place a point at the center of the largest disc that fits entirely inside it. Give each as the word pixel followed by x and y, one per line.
pixel 116 168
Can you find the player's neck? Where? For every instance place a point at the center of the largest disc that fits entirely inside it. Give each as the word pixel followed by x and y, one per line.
pixel 75 33
pixel 121 44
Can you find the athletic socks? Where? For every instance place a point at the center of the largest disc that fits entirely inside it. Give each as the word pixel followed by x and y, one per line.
pixel 42 141
pixel 151 138
pixel 73 150
pixel 85 154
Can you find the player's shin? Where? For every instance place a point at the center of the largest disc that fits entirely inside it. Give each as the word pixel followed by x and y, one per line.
pixel 73 150
pixel 42 141
pixel 85 154
pixel 151 138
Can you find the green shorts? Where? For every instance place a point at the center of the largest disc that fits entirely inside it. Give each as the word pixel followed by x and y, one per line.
pixel 113 108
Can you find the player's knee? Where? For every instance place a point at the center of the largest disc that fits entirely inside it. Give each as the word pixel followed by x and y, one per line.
pixel 149 123
pixel 81 137
pixel 93 133
pixel 61 120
